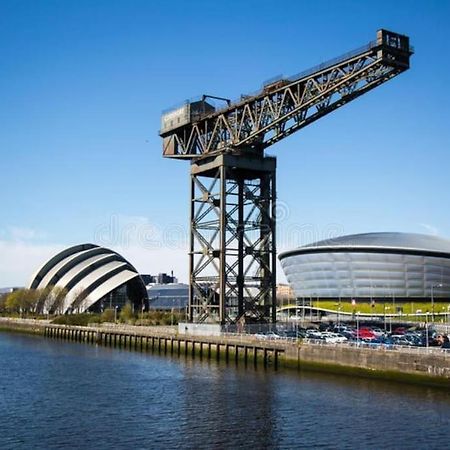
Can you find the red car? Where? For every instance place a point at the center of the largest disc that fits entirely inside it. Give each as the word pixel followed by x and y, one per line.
pixel 399 330
pixel 365 333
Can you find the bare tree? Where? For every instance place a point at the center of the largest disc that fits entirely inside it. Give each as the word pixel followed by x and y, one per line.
pixel 80 296
pixel 58 295
pixel 41 296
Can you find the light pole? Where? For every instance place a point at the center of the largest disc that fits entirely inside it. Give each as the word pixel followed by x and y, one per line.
pixel 339 308
pixel 390 319
pixel 373 302
pixel 439 285
pixel 115 314
pixel 393 301
pixel 303 312
pixel 357 327
pixel 448 314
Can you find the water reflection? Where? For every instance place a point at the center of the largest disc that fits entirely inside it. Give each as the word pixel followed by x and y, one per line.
pixel 222 404
pixel 59 394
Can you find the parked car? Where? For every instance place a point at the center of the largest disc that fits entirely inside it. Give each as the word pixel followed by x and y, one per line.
pixel 400 340
pixel 314 334
pixel 399 330
pixel 335 338
pixel 365 333
pixel 378 332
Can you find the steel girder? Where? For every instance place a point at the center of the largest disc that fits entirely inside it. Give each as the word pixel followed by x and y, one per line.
pixel 287 105
pixel 232 241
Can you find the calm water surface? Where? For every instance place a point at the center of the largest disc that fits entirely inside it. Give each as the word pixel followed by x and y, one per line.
pixel 66 395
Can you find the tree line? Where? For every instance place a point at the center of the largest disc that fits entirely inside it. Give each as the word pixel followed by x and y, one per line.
pixel 49 300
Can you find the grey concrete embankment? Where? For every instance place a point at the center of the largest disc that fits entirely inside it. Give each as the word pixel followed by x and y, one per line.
pixel 415 365
pixel 31 326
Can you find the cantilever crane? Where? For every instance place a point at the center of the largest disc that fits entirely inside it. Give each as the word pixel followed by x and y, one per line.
pixel 232 255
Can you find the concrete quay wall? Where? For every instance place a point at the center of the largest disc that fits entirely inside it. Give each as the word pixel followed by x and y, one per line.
pixel 31 326
pixel 414 365
pixel 419 365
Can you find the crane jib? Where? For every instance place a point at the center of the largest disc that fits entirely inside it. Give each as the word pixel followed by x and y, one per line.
pixel 283 105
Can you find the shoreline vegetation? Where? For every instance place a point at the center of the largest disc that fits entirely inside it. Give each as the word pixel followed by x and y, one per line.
pixel 125 317
pixel 29 303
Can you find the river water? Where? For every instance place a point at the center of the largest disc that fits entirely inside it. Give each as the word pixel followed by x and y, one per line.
pixel 56 395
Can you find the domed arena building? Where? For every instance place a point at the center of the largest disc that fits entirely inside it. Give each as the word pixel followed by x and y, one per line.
pixel 92 278
pixel 403 266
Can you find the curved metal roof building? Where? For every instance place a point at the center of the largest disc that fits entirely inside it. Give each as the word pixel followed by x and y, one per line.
pixel 371 265
pixel 90 273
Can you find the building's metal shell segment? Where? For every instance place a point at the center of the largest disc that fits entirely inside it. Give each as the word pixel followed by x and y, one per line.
pixel 95 270
pixel 371 265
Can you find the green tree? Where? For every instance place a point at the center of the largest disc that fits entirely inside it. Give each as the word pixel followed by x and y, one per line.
pixel 126 314
pixel 2 303
pixel 12 303
pixel 107 315
pixel 21 301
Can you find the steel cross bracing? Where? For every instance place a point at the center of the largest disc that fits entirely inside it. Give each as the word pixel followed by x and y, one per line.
pixel 288 105
pixel 232 247
pixel 232 240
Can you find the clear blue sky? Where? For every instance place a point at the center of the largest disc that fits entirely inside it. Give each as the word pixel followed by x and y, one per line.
pixel 83 84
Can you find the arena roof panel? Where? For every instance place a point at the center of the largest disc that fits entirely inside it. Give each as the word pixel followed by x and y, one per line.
pixel 410 242
pixel 90 268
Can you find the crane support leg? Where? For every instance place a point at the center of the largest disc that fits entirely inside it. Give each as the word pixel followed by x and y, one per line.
pixel 232 253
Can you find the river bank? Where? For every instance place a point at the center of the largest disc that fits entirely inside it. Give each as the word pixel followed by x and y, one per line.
pixel 411 365
pixel 57 394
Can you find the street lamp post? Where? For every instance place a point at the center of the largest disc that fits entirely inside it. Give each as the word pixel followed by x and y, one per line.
pixel 439 285
pixel 385 319
pixel 393 302
pixel 373 302
pixel 357 327
pixel 303 311
pixel 115 314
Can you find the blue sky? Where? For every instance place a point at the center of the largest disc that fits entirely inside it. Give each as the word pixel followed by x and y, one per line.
pixel 83 84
